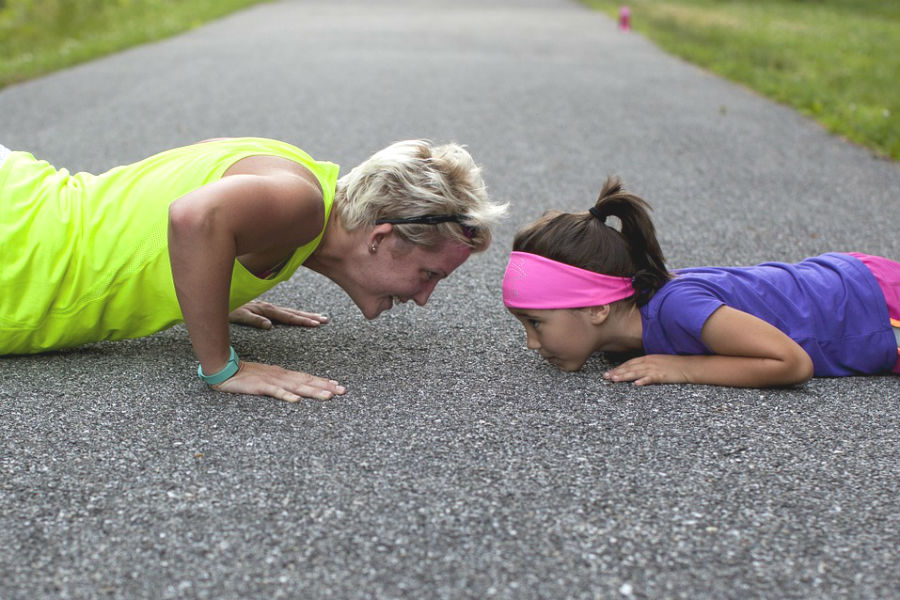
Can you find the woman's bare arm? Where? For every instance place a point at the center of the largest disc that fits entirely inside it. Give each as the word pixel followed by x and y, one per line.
pixel 208 228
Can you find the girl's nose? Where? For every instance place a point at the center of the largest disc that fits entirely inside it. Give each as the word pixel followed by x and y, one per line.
pixel 531 341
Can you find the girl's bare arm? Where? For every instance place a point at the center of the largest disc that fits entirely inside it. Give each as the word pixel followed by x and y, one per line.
pixel 748 353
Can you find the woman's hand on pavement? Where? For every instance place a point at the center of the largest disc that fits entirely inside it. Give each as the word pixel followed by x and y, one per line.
pixel 270 380
pixel 263 314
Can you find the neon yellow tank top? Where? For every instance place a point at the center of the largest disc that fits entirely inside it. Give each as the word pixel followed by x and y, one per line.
pixel 84 258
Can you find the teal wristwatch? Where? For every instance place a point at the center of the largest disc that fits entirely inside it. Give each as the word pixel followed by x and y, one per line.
pixel 230 369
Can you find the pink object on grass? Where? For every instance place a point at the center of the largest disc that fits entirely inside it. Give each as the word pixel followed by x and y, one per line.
pixel 624 18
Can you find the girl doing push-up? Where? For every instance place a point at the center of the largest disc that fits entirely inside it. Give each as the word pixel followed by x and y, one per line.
pixel 580 286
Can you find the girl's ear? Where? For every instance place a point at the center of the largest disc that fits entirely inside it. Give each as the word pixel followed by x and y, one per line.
pixel 599 314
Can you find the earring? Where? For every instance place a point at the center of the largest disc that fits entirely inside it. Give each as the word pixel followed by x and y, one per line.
pixel 372 248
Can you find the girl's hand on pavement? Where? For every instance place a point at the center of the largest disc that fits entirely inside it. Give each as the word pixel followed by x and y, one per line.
pixel 270 380
pixel 650 369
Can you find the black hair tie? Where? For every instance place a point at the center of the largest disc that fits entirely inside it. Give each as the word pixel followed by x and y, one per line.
pixel 600 216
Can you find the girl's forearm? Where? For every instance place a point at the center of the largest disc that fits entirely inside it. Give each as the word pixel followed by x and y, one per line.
pixel 748 352
pixel 740 371
pixel 737 371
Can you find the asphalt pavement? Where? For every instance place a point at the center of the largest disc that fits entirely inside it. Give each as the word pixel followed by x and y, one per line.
pixel 458 465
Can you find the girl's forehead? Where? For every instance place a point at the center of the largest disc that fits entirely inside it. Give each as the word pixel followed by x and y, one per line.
pixel 529 312
pixel 543 313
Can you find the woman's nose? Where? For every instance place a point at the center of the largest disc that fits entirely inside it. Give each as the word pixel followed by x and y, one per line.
pixel 422 297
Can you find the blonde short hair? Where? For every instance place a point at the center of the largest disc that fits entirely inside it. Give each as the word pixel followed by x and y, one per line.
pixel 412 178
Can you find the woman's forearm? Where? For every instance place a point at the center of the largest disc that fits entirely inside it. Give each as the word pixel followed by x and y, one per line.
pixel 202 258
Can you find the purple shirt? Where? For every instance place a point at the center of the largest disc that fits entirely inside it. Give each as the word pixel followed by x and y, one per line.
pixel 830 304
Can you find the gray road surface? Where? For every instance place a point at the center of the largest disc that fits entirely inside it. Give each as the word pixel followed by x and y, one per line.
pixel 458 465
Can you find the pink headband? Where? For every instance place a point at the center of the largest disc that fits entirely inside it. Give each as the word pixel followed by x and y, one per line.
pixel 532 281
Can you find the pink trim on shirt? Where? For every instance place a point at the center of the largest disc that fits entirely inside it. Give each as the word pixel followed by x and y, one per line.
pixel 887 274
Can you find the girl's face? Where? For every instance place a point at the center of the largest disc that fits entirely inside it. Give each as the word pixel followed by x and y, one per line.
pixel 565 337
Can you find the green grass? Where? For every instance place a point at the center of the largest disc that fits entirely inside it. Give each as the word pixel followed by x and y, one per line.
pixel 837 61
pixel 39 36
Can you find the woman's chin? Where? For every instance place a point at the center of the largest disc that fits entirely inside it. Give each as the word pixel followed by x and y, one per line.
pixel 372 311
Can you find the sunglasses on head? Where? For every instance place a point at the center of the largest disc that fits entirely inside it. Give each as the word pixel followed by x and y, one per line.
pixel 468 230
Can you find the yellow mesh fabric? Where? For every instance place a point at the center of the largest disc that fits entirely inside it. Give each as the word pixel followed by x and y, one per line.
pixel 84 257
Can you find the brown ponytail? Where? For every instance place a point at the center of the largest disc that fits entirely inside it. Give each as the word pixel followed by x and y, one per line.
pixel 584 240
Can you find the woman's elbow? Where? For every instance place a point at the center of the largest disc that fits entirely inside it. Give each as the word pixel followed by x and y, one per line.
pixel 185 219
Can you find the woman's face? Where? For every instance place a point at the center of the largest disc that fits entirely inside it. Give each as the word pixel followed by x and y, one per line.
pixel 398 271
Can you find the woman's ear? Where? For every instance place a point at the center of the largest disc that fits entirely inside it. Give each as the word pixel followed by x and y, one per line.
pixel 599 314
pixel 377 235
